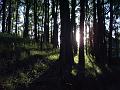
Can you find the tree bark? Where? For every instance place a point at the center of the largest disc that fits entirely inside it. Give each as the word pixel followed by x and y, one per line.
pixel 46 22
pixel 35 21
pixel 16 18
pixel 26 22
pixel 9 17
pixel 66 53
pixel 3 16
pixel 55 30
pixel 94 28
pixel 100 33
pixel 110 33
pixel 81 63
pixel 73 26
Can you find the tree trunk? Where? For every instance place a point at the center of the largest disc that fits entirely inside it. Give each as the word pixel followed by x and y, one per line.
pixel 26 22
pixel 46 22
pixel 87 21
pixel 110 33
pixel 117 43
pixel 100 33
pixel 66 53
pixel 94 28
pixel 55 30
pixel 9 17
pixel 16 18
pixel 81 63
pixel 51 31
pixel 86 41
pixel 73 26
pixel 35 20
pixel 3 16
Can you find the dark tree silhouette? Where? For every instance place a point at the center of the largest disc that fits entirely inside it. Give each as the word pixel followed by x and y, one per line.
pixel 100 33
pixel 9 17
pixel 46 22
pixel 3 16
pixel 35 21
pixel 17 5
pixel 117 42
pixel 66 53
pixel 81 63
pixel 26 22
pixel 86 24
pixel 73 25
pixel 110 33
pixel 55 28
pixel 94 28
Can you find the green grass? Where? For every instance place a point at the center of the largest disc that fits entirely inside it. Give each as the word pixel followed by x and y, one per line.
pixel 53 57
pixel 90 66
pixel 36 52
pixel 25 76
pixel 76 59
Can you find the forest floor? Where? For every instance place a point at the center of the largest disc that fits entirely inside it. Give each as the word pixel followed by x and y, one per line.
pixel 50 80
pixel 26 67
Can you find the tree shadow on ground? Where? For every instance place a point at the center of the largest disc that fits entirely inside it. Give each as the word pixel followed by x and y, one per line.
pixel 108 79
pixel 51 80
pixel 25 64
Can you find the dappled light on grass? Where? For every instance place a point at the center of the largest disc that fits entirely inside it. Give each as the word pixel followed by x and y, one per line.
pixel 53 57
pixel 25 76
pixel 37 52
pixel 74 71
pixel 22 63
pixel 76 59
pixel 91 67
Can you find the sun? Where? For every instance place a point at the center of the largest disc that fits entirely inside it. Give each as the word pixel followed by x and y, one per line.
pixel 86 36
pixel 78 37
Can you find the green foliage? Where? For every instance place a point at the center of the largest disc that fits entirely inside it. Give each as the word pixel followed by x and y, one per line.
pixel 76 59
pixel 10 38
pixel 91 67
pixel 23 75
pixel 21 61
pixel 74 71
pixel 47 46
pixel 53 57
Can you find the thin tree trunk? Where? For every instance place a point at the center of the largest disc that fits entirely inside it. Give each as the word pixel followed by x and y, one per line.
pixel 73 26
pixel 26 22
pixel 94 28
pixel 55 28
pixel 51 31
pixel 110 33
pixel 46 22
pixel 9 17
pixel 117 43
pixel 3 16
pixel 86 24
pixel 35 20
pixel 81 63
pixel 86 41
pixel 100 33
pixel 104 38
pixel 16 18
